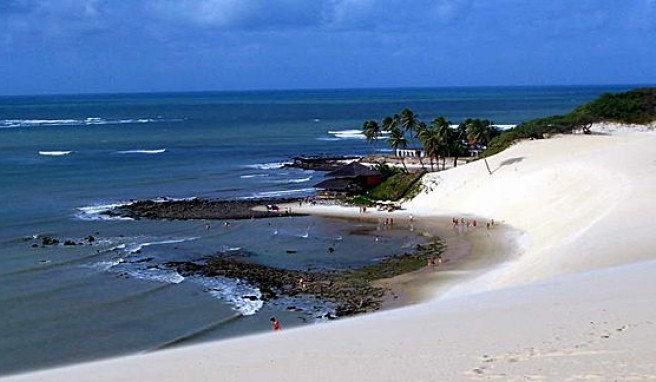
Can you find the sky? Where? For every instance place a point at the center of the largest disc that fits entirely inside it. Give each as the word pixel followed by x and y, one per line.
pixel 109 46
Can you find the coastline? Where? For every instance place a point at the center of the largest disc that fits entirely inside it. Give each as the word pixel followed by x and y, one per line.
pixel 570 308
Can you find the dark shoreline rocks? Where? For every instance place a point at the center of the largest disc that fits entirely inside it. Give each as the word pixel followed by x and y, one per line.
pixel 352 292
pixel 203 209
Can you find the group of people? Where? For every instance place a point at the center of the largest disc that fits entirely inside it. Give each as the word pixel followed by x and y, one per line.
pixel 470 223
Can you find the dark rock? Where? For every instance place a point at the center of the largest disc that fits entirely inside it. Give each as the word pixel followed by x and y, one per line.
pixel 201 209
pixel 47 240
pixel 69 243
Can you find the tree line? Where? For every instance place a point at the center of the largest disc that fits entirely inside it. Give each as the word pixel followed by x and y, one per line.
pixel 439 139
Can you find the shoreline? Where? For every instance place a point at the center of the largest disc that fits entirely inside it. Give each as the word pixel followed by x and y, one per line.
pixel 576 304
pixel 470 252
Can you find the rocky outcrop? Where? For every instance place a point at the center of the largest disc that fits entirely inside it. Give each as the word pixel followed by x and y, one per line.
pixel 202 209
pixel 352 292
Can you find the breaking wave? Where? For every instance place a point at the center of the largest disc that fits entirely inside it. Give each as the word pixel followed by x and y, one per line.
pixel 91 121
pixel 267 166
pixel 245 298
pixel 54 153
pixel 97 212
pixel 273 194
pixel 156 151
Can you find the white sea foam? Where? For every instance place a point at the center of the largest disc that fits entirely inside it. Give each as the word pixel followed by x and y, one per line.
pixel 142 151
pixel 96 212
pixel 104 265
pixel 226 248
pixel 267 166
pixel 13 123
pixel 155 274
pixel 297 180
pixel 135 247
pixel 54 153
pixel 249 176
pixel 353 134
pixel 348 134
pixel 270 194
pixel 328 139
pixel 245 298
pixel 501 127
pixel 165 199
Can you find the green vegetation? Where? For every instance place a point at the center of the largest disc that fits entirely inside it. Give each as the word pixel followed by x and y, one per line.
pixel 402 263
pixel 395 187
pixel 636 107
pixel 438 139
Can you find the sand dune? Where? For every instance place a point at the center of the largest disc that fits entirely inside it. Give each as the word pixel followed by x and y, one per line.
pixel 576 304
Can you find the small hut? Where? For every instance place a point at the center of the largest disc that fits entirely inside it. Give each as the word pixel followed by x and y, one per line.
pixel 350 179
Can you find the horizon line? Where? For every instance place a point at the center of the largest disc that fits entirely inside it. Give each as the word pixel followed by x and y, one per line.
pixel 264 90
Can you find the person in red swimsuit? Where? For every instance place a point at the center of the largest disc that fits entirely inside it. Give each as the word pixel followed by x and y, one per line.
pixel 275 324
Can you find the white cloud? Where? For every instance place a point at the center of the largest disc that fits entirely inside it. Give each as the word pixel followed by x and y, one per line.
pixel 242 14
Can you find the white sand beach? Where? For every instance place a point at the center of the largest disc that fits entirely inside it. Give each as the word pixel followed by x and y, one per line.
pixel 574 302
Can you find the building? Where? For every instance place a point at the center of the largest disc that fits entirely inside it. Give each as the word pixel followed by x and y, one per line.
pixel 410 153
pixel 350 179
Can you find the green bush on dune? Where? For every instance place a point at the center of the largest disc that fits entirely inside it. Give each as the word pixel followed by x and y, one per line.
pixel 396 187
pixel 635 107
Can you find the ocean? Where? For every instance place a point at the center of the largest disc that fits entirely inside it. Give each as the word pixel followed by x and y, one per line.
pixel 63 159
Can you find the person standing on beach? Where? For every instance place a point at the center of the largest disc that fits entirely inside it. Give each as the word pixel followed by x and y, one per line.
pixel 275 325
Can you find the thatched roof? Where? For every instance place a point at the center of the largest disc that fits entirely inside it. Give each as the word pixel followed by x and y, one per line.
pixel 352 170
pixel 338 184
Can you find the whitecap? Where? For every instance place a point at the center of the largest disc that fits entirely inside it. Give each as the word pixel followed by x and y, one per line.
pixel 135 247
pixel 348 134
pixel 165 199
pixel 97 212
pixel 141 151
pixel 155 274
pixel 297 180
pixel 104 265
pixel 267 166
pixel 90 121
pixel 245 298
pixel 226 248
pixel 54 153
pixel 248 176
pixel 271 194
pixel 353 134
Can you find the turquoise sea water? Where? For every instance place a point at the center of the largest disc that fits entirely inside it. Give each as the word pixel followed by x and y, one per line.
pixel 63 157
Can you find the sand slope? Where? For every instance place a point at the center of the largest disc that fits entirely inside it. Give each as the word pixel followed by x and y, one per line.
pixel 585 202
pixel 577 304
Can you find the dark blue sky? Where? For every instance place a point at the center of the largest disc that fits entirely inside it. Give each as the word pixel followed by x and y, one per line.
pixel 73 46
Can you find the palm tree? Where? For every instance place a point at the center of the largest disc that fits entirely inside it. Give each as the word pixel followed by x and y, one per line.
pixel 389 123
pixel 371 130
pixel 430 140
pixel 479 133
pixel 459 139
pixel 397 141
pixel 411 124
pixel 442 131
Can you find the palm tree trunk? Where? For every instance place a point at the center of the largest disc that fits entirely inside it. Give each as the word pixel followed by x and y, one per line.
pixel 404 167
